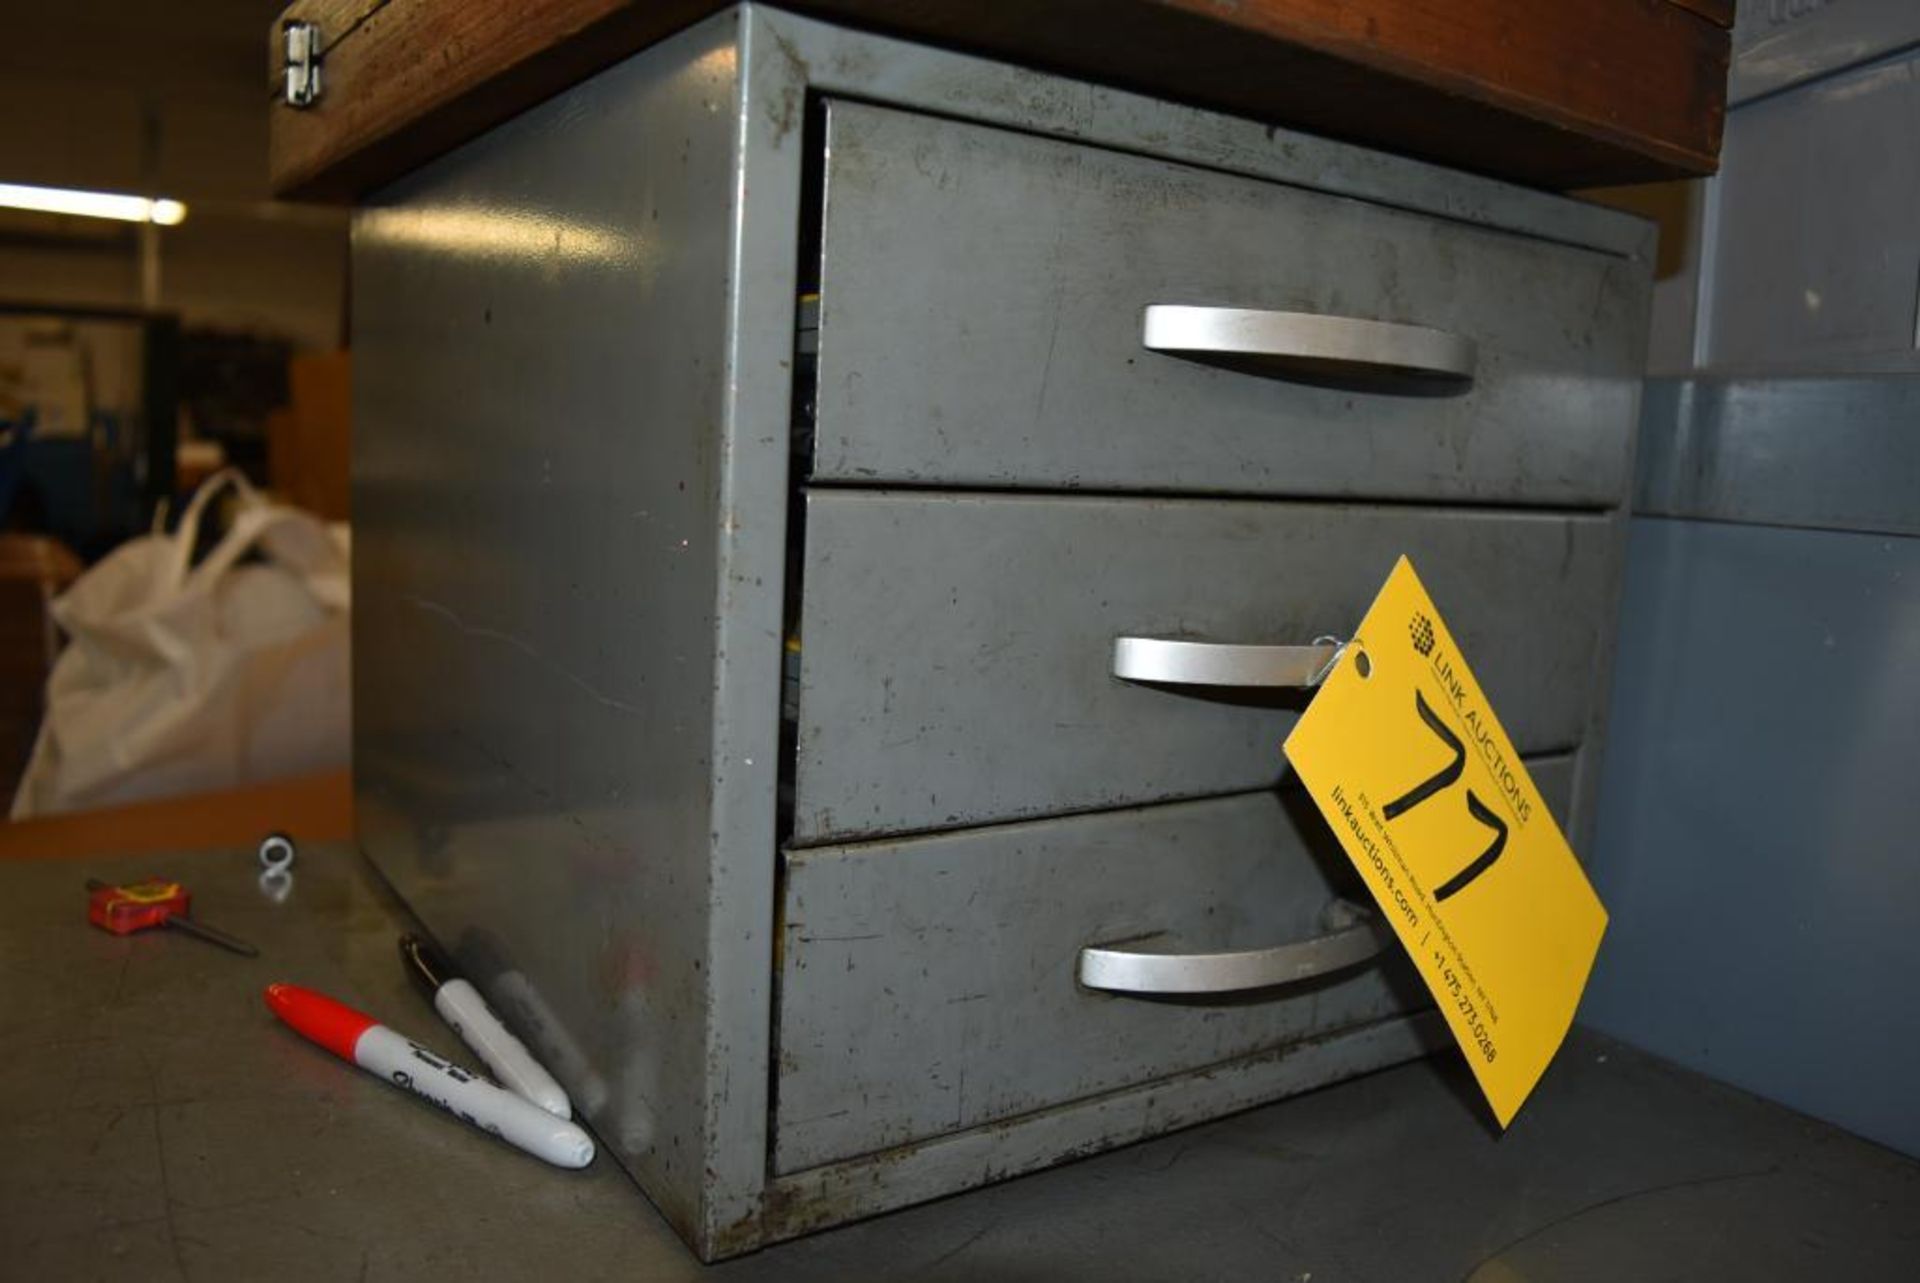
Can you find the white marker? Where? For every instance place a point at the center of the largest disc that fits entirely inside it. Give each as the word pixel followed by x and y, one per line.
pixel 355 1036
pixel 462 1007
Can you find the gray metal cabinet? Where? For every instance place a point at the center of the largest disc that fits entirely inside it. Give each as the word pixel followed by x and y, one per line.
pixel 742 711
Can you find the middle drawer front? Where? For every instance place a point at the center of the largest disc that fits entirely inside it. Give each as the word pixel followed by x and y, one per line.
pixel 956 662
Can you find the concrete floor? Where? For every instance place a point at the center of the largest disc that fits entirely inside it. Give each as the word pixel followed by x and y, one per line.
pixel 157 1123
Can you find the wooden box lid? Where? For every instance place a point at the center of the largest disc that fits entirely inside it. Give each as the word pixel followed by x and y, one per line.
pixel 1551 93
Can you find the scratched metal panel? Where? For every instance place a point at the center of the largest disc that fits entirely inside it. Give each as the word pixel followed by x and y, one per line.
pixel 1813 246
pixel 1780 43
pixel 927 985
pixel 1756 834
pixel 980 325
pixel 540 330
pixel 956 649
pixel 1837 453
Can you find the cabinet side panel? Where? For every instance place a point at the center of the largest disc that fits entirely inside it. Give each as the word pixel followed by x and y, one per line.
pixel 540 325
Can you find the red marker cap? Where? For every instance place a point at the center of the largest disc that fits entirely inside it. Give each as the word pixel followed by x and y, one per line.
pixel 334 1025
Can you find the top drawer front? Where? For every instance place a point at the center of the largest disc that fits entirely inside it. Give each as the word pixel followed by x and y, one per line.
pixel 982 295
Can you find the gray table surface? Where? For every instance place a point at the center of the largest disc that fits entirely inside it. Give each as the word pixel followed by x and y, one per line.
pixel 157 1123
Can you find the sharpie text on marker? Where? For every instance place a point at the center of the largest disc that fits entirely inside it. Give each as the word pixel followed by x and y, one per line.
pixel 355 1036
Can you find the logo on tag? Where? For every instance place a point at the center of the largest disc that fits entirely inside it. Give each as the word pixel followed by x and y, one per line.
pixel 1422 629
pixel 1403 755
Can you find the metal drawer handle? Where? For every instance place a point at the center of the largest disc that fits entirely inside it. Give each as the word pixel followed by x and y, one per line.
pixel 1353 935
pixel 1190 663
pixel 1306 343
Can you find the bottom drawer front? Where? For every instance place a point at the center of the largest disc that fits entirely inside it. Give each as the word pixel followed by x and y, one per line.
pixel 928 985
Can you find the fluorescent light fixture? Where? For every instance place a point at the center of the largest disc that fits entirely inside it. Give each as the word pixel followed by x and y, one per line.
pixel 66 200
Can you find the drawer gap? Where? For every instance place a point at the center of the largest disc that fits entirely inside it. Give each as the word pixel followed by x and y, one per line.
pixel 800 466
pixel 1022 490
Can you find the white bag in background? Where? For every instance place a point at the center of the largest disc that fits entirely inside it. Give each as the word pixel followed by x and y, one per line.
pixel 181 678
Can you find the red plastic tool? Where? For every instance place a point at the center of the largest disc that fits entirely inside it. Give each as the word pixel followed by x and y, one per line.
pixel 153 903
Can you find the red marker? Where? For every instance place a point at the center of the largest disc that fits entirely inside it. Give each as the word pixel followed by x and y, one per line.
pixel 358 1037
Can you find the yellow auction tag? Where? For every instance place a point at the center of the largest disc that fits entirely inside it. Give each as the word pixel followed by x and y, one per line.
pixel 1406 760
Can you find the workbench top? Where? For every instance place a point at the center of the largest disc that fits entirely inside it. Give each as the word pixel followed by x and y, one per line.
pixel 157 1122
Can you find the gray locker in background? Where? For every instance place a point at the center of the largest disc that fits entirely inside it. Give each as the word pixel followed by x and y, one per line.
pixel 1759 809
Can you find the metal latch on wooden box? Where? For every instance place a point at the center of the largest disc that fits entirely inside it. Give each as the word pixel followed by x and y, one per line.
pixel 302 44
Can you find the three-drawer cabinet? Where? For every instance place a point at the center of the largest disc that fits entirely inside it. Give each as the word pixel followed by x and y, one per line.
pixel 776 459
